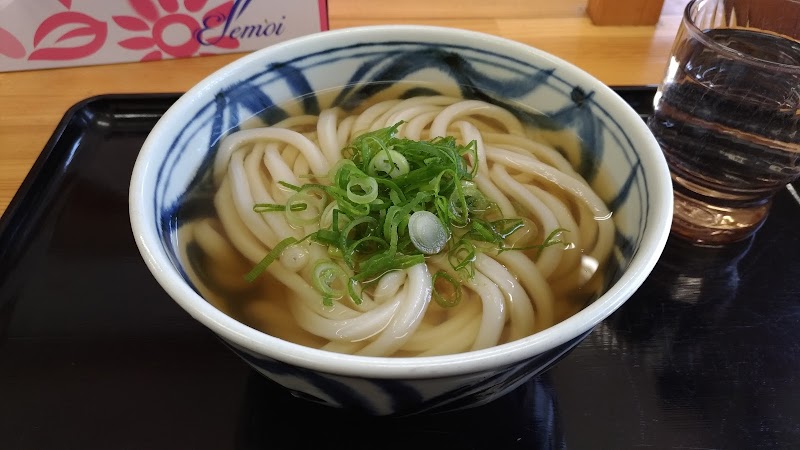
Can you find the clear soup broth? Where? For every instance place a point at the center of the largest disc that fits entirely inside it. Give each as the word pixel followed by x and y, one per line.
pixel 555 261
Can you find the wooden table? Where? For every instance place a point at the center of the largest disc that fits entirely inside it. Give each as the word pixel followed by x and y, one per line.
pixel 33 102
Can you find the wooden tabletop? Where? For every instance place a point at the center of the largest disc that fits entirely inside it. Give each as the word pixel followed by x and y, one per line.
pixel 33 102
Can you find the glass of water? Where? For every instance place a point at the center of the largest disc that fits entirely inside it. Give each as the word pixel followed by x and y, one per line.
pixel 727 115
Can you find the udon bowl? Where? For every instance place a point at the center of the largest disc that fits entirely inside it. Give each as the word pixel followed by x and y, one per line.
pixel 618 156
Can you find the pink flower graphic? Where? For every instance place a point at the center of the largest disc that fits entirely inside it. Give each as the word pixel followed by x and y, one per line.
pixel 68 25
pixel 55 38
pixel 10 46
pixel 164 22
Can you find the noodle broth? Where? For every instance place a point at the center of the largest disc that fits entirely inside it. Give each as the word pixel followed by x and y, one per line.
pixel 525 167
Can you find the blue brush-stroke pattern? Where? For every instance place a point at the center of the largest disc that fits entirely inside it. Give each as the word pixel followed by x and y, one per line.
pixel 252 99
pixel 622 195
pixel 473 83
pixel 345 395
pixel 579 116
pixel 624 245
pixel 402 398
pixel 300 87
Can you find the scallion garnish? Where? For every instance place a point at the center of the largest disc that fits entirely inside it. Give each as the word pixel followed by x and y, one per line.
pixel 390 203
pixel 306 206
pixel 259 268
pixel 362 190
pixel 330 280
pixel 426 232
pixel 388 163
pixel 272 207
pixel 446 290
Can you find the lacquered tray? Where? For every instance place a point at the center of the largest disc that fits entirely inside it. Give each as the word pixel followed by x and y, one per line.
pixel 93 354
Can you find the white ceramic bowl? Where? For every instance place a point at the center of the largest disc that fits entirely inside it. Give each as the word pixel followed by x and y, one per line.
pixel 622 160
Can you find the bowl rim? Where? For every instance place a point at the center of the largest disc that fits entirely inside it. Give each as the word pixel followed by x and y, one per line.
pixel 258 343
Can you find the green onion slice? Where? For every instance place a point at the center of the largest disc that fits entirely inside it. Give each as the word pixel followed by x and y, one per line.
pixel 388 163
pixel 462 257
pixel 446 290
pixel 330 280
pixel 259 268
pixel 269 207
pixel 362 190
pixel 306 206
pixel 427 233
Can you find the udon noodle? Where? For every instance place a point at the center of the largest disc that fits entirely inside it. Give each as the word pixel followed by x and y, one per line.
pixel 511 295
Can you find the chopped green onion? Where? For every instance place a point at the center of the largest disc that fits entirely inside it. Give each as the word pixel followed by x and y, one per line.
pixel 390 203
pixel 290 186
pixel 446 290
pixel 462 257
pixel 427 233
pixel 354 291
pixel 306 206
pixel 504 228
pixel 362 190
pixel 388 163
pixel 330 213
pixel 325 276
pixel 552 239
pixel 476 201
pixel 259 268
pixel 381 263
pixel 482 231
pixel 268 207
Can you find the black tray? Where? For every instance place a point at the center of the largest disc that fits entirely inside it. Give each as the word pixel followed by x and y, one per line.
pixel 93 354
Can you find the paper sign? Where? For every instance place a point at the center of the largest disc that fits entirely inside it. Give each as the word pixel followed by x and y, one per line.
pixel 37 34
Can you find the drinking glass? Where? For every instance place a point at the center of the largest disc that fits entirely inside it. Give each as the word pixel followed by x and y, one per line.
pixel 726 115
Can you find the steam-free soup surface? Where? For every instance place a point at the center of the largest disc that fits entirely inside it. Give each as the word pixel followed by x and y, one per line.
pixel 531 250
